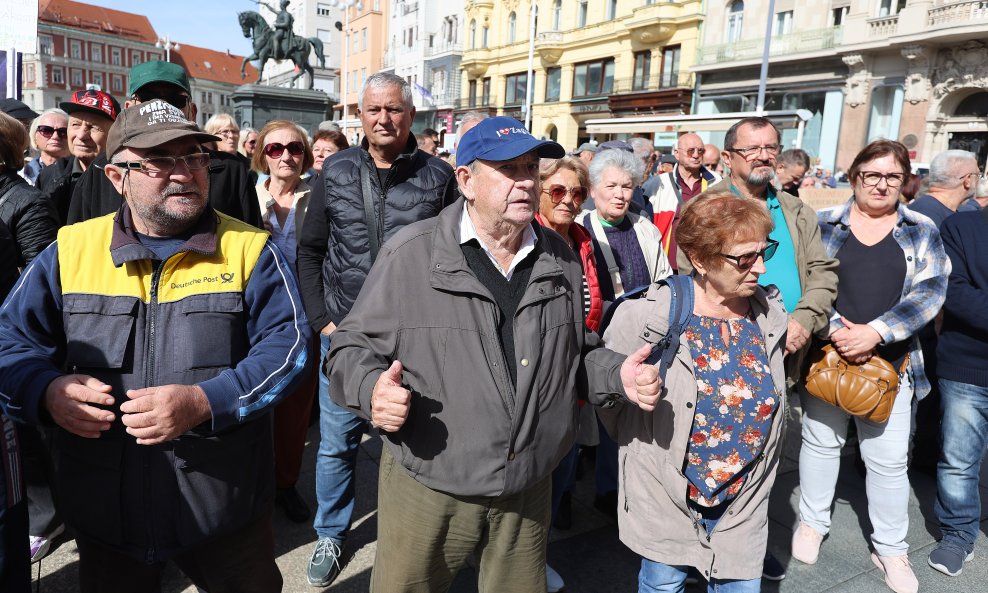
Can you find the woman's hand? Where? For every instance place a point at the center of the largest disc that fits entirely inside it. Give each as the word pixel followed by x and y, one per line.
pixel 856 342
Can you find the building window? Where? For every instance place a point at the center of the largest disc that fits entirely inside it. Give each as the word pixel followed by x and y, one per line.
pixel 670 67
pixel 363 39
pixel 29 72
pixel 135 58
pixel 116 56
pixel 515 87
pixel 323 9
pixel 324 35
pixel 581 13
pixel 886 112
pixel 472 93
pixel 783 23
pixel 484 33
pixel 117 83
pixel 76 77
pixel 611 9
pixel 98 79
pixel 890 7
pixel 45 45
pixel 96 51
pixel 57 76
pixel 485 96
pixel 557 14
pixel 643 65
pixel 553 80
pixel 735 19
pixel 512 26
pixel 593 78
pixel 838 16
pixel 377 5
pixel 75 49
pixel 473 34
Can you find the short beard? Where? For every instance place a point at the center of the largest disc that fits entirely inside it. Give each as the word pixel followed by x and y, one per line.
pixel 756 177
pixel 163 222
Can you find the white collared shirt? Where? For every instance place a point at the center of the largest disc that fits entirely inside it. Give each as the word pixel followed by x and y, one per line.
pixel 528 239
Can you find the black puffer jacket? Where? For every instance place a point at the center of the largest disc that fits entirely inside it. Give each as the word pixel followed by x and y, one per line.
pixel 334 251
pixel 57 181
pixel 31 218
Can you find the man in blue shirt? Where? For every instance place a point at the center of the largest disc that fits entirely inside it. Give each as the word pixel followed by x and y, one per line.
pixel 953 179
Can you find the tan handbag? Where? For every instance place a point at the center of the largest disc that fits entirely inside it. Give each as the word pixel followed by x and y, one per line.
pixel 865 390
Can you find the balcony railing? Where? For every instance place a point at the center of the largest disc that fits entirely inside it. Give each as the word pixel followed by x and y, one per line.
pixel 409 7
pixel 956 13
pixel 792 43
pixel 883 26
pixel 656 82
pixel 442 48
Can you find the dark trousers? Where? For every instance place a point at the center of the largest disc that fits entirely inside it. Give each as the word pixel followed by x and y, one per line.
pixel 291 424
pixel 15 554
pixel 39 477
pixel 239 562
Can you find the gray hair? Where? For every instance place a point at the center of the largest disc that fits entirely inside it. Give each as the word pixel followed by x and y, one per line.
pixel 218 122
pixel 471 117
pixel 642 147
pixel 943 167
pixel 330 126
pixel 619 159
pixel 794 156
pixel 37 122
pixel 380 80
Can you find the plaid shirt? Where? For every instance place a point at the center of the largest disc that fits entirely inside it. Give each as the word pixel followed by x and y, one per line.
pixel 924 289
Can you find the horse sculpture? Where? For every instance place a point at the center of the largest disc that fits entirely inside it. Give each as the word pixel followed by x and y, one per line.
pixel 265 47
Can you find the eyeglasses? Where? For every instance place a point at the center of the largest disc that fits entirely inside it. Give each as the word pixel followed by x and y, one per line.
pixel 872 178
pixel 746 260
pixel 228 133
pixel 276 149
pixel 961 178
pixel 691 151
pixel 163 165
pixel 558 192
pixel 47 132
pixel 251 143
pixel 179 101
pixel 752 151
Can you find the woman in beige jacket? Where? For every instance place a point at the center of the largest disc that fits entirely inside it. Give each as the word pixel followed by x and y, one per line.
pixel 695 474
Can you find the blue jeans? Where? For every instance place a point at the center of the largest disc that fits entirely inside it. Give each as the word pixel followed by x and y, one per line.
pixel 563 479
pixel 964 433
pixel 340 432
pixel 656 577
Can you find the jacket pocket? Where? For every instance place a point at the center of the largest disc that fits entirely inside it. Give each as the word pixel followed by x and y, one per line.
pixel 225 480
pixel 216 331
pixel 98 330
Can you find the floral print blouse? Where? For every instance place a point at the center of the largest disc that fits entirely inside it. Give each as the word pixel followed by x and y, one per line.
pixel 735 403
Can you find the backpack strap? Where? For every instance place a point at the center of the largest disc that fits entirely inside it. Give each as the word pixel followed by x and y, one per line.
pixel 370 212
pixel 680 313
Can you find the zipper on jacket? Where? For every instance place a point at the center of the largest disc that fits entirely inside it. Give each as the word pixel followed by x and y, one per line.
pixel 500 371
pixel 149 376
pixel 624 480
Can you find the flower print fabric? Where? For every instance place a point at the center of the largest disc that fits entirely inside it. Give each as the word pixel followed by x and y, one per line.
pixel 735 403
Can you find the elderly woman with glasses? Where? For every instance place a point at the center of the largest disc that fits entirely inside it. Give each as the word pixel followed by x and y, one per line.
pixel 284 155
pixel 248 141
pixel 697 471
pixel 892 275
pixel 49 136
pixel 224 126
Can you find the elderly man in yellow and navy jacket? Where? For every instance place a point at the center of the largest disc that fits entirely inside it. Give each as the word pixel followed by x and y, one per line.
pixel 156 340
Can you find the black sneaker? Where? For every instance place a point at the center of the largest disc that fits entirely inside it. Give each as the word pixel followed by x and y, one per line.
pixel 772 569
pixel 949 558
pixel 324 564
pixel 293 505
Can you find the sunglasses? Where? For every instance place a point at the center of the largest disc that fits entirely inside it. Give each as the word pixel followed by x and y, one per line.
pixel 47 132
pixel 276 149
pixel 251 143
pixel 746 260
pixel 558 192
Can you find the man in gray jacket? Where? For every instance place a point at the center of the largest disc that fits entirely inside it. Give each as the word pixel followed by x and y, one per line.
pixel 467 349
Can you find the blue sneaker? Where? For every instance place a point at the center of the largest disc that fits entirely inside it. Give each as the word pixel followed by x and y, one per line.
pixel 949 558
pixel 324 564
pixel 772 569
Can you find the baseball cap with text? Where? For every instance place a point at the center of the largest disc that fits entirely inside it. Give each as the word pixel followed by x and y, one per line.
pixel 92 101
pixel 502 139
pixel 151 124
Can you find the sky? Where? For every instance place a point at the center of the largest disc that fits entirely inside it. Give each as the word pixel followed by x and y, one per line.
pixel 206 23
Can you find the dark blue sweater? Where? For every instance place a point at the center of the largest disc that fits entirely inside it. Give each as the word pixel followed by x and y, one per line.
pixel 963 347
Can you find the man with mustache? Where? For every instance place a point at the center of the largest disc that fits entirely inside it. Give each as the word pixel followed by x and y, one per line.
pixel 801 269
pixel 160 336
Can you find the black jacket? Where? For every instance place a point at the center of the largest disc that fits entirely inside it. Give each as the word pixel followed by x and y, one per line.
pixel 334 249
pixel 230 191
pixel 8 262
pixel 30 219
pixel 57 182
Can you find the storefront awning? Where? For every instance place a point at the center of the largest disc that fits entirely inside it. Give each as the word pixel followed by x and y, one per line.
pixel 718 122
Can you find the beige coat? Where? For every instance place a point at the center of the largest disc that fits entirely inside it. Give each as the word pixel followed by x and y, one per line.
pixel 653 517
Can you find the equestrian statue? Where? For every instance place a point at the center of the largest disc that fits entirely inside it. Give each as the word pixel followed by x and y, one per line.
pixel 279 43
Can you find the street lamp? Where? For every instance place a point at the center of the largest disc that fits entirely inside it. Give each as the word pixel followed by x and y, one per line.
pixel 166 43
pixel 344 28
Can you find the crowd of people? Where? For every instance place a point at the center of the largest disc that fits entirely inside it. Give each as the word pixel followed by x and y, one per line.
pixel 180 301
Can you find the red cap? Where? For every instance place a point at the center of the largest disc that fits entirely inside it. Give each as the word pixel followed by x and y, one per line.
pixel 92 101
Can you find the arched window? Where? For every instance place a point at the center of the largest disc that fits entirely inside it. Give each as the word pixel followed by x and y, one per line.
pixel 473 34
pixel 557 14
pixel 512 26
pixel 735 18
pixel 974 106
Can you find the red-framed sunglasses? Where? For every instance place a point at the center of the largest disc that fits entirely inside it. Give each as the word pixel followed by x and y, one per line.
pixel 276 149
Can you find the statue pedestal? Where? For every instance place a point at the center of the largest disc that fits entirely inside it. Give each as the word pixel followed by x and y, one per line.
pixel 254 105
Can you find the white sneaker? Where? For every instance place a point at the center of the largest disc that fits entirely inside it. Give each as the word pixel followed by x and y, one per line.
pixel 898 573
pixel 553 582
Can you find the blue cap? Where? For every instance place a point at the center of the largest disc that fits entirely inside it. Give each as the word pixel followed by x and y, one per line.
pixel 616 145
pixel 502 139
